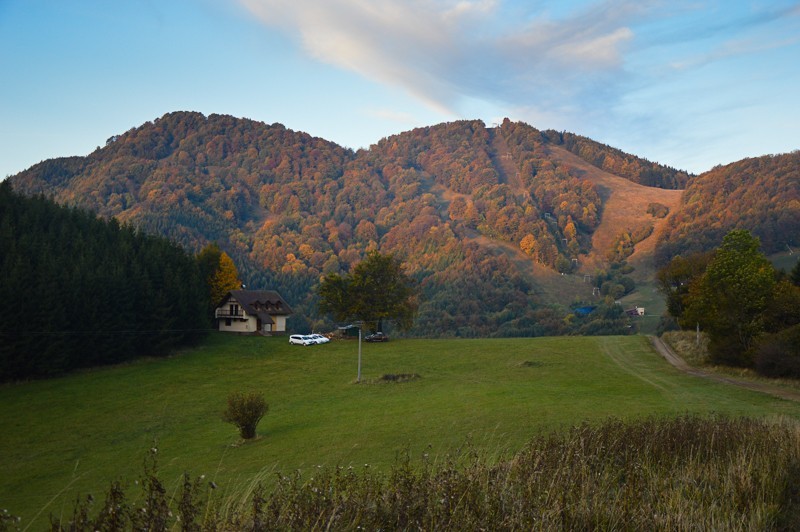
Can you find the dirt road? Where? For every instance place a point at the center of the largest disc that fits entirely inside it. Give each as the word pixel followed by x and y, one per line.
pixel 665 351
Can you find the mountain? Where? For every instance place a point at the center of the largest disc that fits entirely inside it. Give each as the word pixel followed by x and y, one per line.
pixel 761 194
pixel 484 218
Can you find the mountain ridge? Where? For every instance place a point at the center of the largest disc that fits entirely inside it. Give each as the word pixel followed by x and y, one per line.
pixel 459 202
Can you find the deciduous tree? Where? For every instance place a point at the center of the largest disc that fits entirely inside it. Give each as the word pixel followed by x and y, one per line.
pixel 376 290
pixel 225 279
pixel 219 272
pixel 674 279
pixel 731 298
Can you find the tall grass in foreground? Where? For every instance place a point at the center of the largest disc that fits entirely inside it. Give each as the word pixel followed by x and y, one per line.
pixel 689 472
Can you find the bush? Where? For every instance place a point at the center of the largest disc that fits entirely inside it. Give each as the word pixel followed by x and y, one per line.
pixel 657 210
pixel 778 355
pixel 245 410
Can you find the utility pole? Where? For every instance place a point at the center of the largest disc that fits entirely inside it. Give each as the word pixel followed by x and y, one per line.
pixel 358 379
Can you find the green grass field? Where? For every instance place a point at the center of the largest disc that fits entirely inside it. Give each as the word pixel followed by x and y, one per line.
pixel 76 434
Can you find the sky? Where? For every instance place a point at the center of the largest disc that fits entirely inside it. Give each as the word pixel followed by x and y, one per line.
pixel 687 83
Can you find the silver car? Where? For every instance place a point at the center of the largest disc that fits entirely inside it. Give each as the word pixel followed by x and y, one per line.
pixel 320 339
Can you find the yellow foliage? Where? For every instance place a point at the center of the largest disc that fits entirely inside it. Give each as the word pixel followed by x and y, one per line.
pixel 528 244
pixel 225 278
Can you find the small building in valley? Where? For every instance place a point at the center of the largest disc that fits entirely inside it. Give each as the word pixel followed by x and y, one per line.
pixel 253 312
pixel 635 312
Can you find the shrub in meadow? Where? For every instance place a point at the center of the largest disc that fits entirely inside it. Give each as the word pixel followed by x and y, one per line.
pixel 244 411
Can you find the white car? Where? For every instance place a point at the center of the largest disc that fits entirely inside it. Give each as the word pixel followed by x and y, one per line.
pixel 301 339
pixel 320 339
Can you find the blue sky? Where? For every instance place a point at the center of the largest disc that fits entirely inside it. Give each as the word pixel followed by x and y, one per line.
pixel 687 83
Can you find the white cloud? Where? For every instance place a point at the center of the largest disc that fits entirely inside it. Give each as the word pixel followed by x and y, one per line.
pixel 612 69
pixel 444 51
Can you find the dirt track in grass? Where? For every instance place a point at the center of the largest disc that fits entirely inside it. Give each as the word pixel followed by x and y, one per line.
pixel 673 358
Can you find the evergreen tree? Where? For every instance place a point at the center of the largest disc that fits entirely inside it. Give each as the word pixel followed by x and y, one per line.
pixel 85 292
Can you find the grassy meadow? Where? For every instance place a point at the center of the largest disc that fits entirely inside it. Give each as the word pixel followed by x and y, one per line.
pixel 76 434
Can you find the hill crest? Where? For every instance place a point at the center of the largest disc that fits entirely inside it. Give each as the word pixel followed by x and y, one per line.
pixel 479 214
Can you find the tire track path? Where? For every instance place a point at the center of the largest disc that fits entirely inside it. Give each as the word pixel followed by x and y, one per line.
pixel 673 358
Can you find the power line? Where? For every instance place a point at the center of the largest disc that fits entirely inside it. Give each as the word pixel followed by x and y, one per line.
pixel 99 332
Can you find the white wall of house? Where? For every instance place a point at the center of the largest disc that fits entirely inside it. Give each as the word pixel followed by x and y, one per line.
pixel 247 326
pixel 280 324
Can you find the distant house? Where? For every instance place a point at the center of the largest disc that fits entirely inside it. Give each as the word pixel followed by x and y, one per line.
pixel 635 311
pixel 253 312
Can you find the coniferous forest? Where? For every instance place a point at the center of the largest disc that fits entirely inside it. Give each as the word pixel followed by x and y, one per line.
pixel 79 291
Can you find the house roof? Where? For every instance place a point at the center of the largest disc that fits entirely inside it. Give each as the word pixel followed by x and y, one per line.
pixel 261 303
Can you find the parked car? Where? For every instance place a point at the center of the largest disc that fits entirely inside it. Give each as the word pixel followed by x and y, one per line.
pixel 376 337
pixel 320 339
pixel 301 339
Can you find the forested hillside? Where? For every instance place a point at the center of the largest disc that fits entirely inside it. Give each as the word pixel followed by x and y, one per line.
pixel 620 163
pixel 472 211
pixel 79 291
pixel 760 194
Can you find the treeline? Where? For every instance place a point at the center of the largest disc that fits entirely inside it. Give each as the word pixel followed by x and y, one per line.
pixel 761 194
pixel 620 163
pixel 78 291
pixel 750 311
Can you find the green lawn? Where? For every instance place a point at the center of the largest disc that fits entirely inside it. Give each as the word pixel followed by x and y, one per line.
pixel 76 434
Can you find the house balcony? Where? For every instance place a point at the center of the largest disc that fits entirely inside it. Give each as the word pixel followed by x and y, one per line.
pixel 227 314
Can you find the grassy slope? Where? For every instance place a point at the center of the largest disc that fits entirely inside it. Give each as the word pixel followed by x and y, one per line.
pixel 625 209
pixel 78 433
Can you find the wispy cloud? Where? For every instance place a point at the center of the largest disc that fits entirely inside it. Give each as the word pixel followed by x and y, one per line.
pixel 744 35
pixel 631 71
pixel 442 51
pixel 732 49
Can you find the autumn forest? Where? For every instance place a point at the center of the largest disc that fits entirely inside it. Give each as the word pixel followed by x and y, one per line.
pixel 477 214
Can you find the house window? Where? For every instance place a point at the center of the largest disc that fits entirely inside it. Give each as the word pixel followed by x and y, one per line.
pixel 227 322
pixel 234 309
